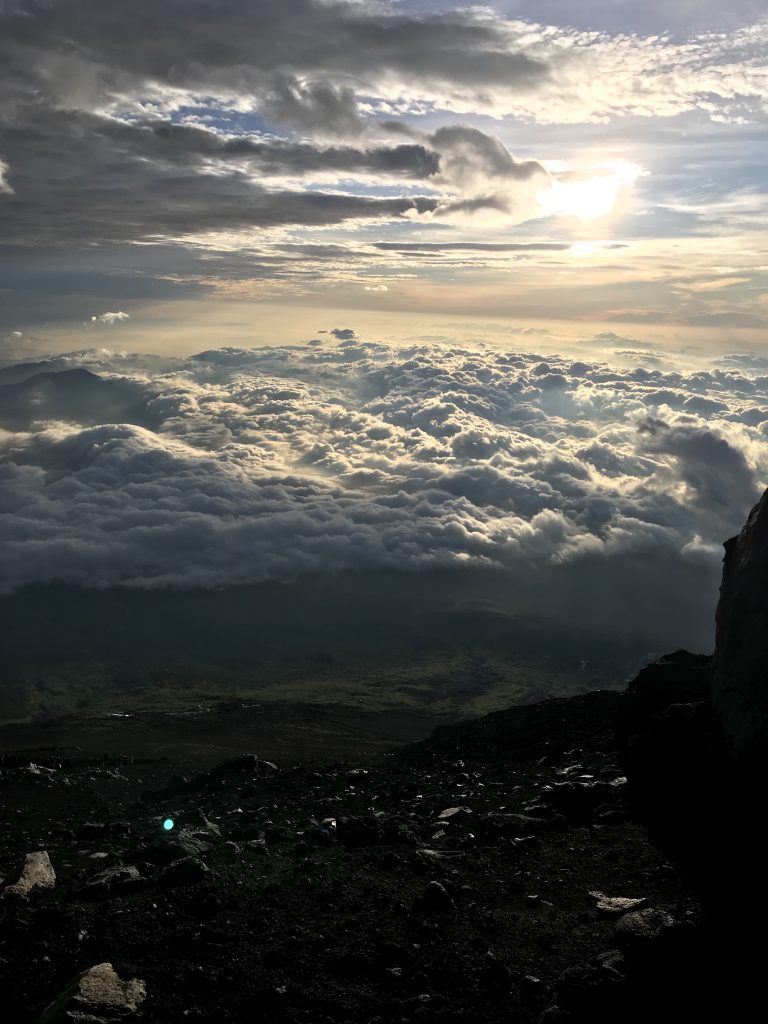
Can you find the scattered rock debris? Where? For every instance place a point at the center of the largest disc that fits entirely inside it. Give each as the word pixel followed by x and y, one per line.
pixel 493 873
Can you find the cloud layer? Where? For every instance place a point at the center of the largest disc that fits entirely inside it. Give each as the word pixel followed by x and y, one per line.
pixel 238 466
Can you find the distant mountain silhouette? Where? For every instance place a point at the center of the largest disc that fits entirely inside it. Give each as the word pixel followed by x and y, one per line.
pixel 77 395
pixel 23 371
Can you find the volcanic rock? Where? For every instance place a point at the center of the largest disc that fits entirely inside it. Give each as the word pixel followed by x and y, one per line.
pixel 97 996
pixel 616 904
pixel 119 878
pixel 643 925
pixel 740 676
pixel 187 871
pixel 677 678
pixel 37 873
pixel 437 900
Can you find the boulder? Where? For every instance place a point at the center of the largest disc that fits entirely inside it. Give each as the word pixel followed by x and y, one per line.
pixel 97 996
pixel 677 678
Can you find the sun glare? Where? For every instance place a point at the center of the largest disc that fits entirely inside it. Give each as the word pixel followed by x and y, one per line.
pixel 590 197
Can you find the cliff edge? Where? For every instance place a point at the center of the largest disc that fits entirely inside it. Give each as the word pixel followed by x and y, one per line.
pixel 740 671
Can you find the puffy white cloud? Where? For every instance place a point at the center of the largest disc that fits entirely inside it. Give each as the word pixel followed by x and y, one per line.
pixel 238 466
pixel 484 177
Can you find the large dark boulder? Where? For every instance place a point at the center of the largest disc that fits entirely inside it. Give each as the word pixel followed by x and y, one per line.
pixel 740 675
pixel 677 678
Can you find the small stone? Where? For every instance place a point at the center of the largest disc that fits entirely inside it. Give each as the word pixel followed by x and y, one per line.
pixel 37 873
pixel 453 812
pixel 98 995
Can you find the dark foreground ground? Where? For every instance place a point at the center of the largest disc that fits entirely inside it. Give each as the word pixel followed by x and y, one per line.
pixel 491 873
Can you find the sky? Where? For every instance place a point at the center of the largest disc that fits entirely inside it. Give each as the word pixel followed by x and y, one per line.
pixel 321 287
pixel 245 172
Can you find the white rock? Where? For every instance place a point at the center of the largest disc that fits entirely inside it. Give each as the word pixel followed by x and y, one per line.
pixel 617 904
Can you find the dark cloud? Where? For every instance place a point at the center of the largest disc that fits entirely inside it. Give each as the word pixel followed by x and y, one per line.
pixel 137 125
pixel 71 49
pixel 318 107
pixel 166 142
pixel 78 189
pixel 716 474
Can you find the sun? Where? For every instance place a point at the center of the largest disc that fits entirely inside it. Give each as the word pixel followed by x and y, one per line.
pixel 590 196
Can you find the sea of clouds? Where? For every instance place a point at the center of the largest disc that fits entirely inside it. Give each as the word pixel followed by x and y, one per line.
pixel 238 466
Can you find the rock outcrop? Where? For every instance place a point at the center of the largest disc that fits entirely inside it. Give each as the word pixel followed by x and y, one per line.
pixel 740 678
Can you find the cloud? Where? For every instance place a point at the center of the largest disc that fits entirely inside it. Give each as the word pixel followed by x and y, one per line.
pixel 239 466
pixel 716 474
pixel 300 61
pixel 653 16
pixel 321 108
pixel 467 246
pixel 110 318
pixel 731 318
pixel 108 93
pixel 376 288
pixel 297 148
pixel 487 176
pixel 165 141
pixel 151 189
pixel 481 176
pixel 5 187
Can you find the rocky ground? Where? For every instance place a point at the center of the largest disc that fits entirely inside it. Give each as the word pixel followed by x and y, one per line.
pixel 494 872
